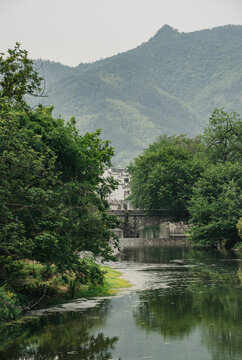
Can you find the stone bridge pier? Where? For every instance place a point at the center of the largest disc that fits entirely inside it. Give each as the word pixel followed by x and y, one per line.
pixel 133 222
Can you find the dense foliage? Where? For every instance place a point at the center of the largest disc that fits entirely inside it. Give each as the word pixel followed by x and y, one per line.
pixel 162 177
pixel 201 175
pixel 8 306
pixel 169 84
pixel 52 192
pixel 216 205
pixel 18 77
pixel 223 136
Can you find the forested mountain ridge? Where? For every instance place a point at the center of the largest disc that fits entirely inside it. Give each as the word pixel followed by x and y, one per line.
pixel 169 84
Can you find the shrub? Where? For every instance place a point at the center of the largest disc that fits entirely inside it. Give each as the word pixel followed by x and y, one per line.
pixel 89 272
pixel 9 309
pixel 11 270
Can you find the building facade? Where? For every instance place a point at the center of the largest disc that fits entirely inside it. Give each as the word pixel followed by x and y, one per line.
pixel 118 199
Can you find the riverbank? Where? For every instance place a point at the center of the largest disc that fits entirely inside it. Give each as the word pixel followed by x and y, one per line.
pixel 53 291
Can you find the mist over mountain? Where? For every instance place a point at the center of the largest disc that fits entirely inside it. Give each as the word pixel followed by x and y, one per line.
pixel 167 85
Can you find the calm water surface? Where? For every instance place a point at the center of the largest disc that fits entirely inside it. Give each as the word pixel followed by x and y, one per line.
pixel 185 305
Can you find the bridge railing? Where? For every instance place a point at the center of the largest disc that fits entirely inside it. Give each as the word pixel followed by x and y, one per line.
pixel 177 213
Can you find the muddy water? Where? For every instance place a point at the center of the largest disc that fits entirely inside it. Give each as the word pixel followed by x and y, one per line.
pixel 185 305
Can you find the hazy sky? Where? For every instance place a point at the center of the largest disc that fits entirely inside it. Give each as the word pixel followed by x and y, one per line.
pixel 74 31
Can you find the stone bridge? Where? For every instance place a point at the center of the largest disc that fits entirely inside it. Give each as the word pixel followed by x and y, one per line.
pixel 133 222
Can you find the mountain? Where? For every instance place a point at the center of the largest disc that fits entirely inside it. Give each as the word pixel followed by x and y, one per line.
pixel 169 84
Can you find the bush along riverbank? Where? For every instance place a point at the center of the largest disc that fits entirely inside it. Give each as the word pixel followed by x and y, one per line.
pixel 35 285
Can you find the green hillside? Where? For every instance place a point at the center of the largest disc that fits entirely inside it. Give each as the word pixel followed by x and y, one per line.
pixel 169 84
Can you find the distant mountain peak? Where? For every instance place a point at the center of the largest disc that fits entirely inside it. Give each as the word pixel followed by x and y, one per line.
pixel 166 30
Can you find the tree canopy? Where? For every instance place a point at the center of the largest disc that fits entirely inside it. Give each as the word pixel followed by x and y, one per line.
pixel 223 136
pixel 163 175
pixel 18 78
pixel 52 192
pixel 215 206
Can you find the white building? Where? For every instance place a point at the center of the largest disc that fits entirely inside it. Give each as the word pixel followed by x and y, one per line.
pixel 118 198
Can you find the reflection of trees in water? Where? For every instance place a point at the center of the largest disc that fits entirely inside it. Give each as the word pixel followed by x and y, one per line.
pixel 223 344
pixel 58 336
pixel 239 272
pixel 88 348
pixel 222 325
pixel 213 302
pixel 153 254
pixel 163 255
pixel 170 314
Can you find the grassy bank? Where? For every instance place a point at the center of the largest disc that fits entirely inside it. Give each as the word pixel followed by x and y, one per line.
pixel 34 290
pixel 112 283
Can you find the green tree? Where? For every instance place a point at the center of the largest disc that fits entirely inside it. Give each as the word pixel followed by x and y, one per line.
pixel 52 191
pixel 27 180
pixel 162 177
pixel 223 136
pixel 51 188
pixel 17 76
pixel 215 206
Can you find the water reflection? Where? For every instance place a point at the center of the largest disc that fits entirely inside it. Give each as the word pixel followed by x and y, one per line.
pixel 190 307
pixel 59 336
pixel 166 254
pixel 155 232
pixel 168 314
pixel 209 297
pixel 153 254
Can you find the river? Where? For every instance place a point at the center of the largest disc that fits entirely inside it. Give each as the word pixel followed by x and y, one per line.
pixel 186 304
